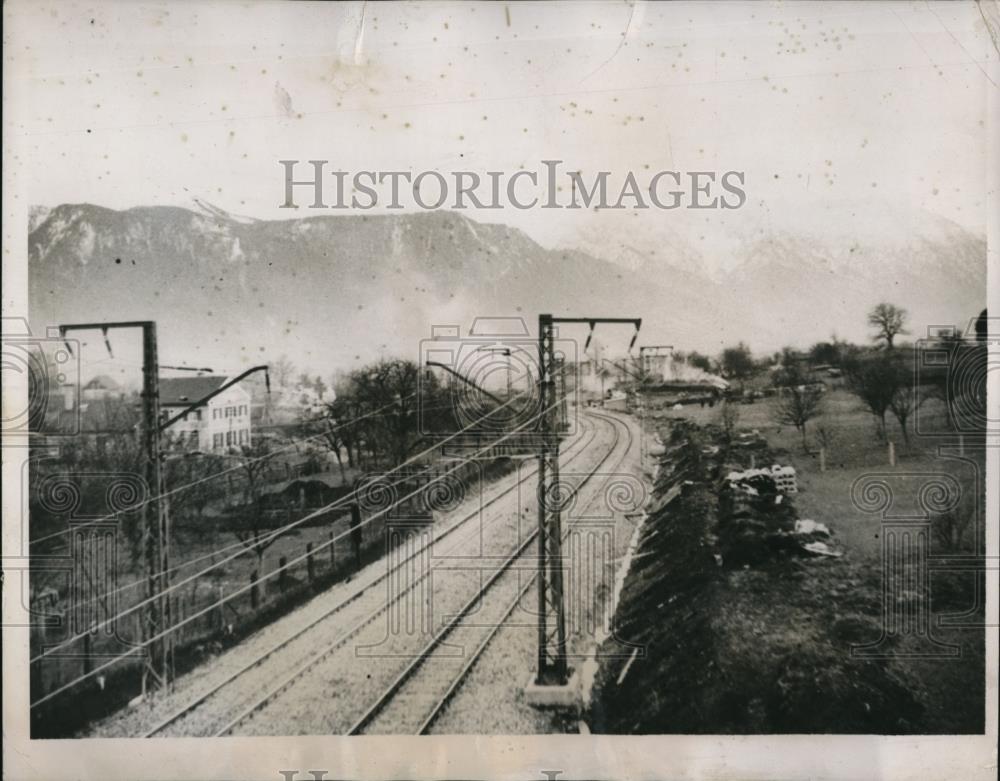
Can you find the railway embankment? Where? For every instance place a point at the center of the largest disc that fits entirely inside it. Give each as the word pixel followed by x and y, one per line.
pixel 744 614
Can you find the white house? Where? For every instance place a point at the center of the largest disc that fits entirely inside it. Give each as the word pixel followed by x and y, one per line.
pixel 221 424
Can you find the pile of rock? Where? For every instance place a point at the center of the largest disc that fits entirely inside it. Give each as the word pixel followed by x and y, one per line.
pixel 757 520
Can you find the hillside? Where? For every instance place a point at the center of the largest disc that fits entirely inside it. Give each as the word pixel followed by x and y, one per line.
pixel 335 289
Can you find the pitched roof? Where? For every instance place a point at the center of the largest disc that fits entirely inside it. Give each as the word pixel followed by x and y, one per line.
pixel 183 391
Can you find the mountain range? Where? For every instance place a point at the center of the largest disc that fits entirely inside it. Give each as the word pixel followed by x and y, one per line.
pixel 333 290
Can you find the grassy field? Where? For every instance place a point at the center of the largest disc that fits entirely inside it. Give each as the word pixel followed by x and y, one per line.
pixel 782 632
pixel 855 451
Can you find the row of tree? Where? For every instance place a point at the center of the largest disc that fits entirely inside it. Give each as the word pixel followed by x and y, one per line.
pixel 886 379
pixel 738 364
pixel 379 415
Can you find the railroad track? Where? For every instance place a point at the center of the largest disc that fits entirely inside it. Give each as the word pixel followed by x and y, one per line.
pixel 415 698
pixel 329 699
pixel 361 609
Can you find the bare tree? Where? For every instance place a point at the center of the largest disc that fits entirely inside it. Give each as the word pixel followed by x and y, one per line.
pixel 797 405
pixel 108 442
pixel 320 387
pixel 194 480
pixel 799 401
pixel 875 379
pixel 282 370
pixel 889 321
pixel 904 403
pixel 255 535
pixel 329 433
pixel 729 417
pixel 950 528
pixel 825 434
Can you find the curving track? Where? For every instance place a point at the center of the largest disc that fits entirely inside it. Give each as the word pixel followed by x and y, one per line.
pixel 274 690
pixel 415 698
pixel 333 697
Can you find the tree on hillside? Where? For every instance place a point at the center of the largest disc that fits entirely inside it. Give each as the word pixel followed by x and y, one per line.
pixel 736 363
pixel 194 481
pixel 889 321
pixel 254 461
pixel 319 386
pixel 379 412
pixel 342 416
pixel 831 352
pixel 905 401
pixel 329 431
pixel 788 361
pixel 390 386
pixel 798 402
pixel 700 361
pixel 108 443
pixel 282 370
pixel 875 378
pixel 950 527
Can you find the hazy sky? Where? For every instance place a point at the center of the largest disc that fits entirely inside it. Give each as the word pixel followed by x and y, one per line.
pixel 820 104
pixel 856 117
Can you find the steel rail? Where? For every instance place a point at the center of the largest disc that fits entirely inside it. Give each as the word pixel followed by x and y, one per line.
pixel 311 662
pixel 188 707
pixel 459 679
pixel 389 692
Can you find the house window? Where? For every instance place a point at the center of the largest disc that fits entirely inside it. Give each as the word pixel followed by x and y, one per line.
pixel 229 438
pixel 193 440
pixel 197 414
pixel 217 441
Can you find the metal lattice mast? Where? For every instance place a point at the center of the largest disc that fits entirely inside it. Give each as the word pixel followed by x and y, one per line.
pixel 155 531
pixel 552 668
pixel 552 663
pixel 155 515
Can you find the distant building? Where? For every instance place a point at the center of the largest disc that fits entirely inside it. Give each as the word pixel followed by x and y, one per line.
pixel 656 366
pixel 101 387
pixel 221 424
pixel 617 402
pixel 814 373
